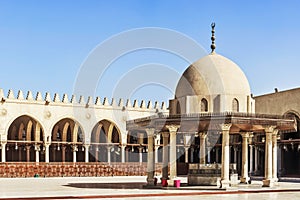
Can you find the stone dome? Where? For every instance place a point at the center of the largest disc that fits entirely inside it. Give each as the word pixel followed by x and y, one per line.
pixel 212 75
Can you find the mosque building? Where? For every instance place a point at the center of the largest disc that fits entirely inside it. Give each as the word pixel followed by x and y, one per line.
pixel 214 128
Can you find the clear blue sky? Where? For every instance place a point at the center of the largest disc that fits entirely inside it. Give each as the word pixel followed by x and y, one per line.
pixel 44 43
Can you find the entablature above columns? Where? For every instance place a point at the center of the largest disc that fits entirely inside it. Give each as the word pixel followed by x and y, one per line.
pixel 210 122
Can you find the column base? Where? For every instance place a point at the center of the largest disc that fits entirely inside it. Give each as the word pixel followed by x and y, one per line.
pixel 150 182
pixel 268 183
pixel 225 184
pixel 275 180
pixel 245 180
pixel 171 181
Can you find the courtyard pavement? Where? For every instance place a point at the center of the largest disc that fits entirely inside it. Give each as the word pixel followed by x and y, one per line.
pixel 128 187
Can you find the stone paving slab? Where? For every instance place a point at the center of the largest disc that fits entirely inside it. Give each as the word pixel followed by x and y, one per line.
pixel 122 187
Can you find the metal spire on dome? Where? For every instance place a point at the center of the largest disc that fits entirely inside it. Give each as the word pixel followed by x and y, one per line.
pixel 213 46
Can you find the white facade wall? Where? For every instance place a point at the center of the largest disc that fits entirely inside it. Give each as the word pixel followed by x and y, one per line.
pixel 87 114
pixel 216 103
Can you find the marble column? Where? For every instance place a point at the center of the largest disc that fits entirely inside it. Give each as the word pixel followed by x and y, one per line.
pixel 86 153
pixel 255 159
pixel 268 181
pixel 244 175
pixel 192 154
pixel 274 155
pixel 20 159
pixel 74 149
pixel 208 155
pixel 156 147
pixel 187 140
pixel 63 153
pixel 202 148
pixel 225 182
pixel 37 153
pixel 123 154
pixel 3 151
pixel 140 154
pixel 47 152
pixel 156 153
pixel 173 164
pixel 186 158
pixel 127 149
pixel 251 159
pixel 251 154
pixel 96 149
pixel 53 150
pixel 27 153
pixel 108 154
pixel 150 158
pixel 217 155
pixel 140 148
pixel 235 150
pixel 165 170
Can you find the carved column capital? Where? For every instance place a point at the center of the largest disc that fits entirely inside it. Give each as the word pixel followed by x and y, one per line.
pixel 47 144
pixel 202 135
pixel 225 127
pixel 123 145
pixel 3 142
pixel 37 147
pixel 269 129
pixel 173 128
pixel 245 134
pixel 187 140
pixel 165 134
pixel 74 148
pixel 150 132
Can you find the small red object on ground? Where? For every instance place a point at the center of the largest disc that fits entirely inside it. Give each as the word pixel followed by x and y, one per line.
pixel 177 183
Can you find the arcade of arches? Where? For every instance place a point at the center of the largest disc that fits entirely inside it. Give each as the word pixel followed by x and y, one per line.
pixel 26 143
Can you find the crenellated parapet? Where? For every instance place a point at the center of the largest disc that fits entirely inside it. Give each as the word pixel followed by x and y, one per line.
pixel 86 102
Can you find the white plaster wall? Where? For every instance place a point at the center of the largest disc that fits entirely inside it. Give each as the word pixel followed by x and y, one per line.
pixel 192 104
pixel 48 113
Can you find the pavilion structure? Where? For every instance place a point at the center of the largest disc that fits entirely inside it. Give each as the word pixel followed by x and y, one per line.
pixel 213 101
pixel 207 126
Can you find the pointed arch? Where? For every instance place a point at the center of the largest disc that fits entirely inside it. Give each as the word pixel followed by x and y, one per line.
pixel 67 141
pixel 115 136
pixel 29 131
pixel 21 132
pixel 107 128
pixel 110 132
pixel 23 139
pixel 204 105
pixel 96 136
pixel 74 136
pixel 37 135
pixel 235 105
pixel 13 133
pixel 65 131
pixel 105 140
pixel 56 135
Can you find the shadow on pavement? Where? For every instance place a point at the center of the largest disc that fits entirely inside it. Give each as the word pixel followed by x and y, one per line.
pixel 123 185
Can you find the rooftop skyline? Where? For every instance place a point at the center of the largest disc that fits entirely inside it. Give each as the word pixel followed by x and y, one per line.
pixel 44 44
